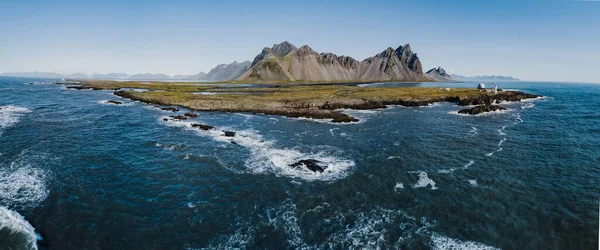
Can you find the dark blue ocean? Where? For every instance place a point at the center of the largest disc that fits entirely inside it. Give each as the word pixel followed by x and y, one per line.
pixel 79 173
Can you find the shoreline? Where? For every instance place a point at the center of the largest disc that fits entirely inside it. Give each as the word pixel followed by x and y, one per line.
pixel 320 101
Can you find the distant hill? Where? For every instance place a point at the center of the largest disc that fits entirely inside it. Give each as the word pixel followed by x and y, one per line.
pixel 286 62
pixel 109 76
pixel 223 72
pixel 35 74
pixel 439 74
pixel 483 78
pixel 149 76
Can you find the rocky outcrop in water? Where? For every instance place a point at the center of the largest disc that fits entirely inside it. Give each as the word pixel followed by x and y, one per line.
pixel 192 115
pixel 229 133
pixel 310 164
pixel 170 109
pixel 202 126
pixel 439 74
pixel 114 102
pixel 285 62
pixel 481 109
pixel 178 117
pixel 488 98
pixel 92 87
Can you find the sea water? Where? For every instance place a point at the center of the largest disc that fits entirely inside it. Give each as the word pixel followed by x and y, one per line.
pixel 77 172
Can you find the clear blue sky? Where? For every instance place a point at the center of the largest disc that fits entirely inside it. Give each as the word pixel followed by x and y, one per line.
pixel 532 40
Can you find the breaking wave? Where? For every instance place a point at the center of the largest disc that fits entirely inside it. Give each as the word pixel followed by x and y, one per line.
pixel 440 242
pixel 9 115
pixel 15 231
pixel 265 157
pixel 423 181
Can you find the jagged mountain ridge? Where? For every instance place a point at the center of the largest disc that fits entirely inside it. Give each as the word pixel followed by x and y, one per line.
pixel 286 62
pixel 439 74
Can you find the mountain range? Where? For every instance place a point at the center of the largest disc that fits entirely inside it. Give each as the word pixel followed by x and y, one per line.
pixel 107 76
pixel 286 62
pixel 223 72
pixel 483 78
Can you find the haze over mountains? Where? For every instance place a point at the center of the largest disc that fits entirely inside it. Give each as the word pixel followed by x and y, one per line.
pixel 99 76
pixel 286 62
pixel 483 78
pixel 223 72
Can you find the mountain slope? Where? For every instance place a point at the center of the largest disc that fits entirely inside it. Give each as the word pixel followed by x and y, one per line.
pixel 286 62
pixel 439 74
pixel 223 72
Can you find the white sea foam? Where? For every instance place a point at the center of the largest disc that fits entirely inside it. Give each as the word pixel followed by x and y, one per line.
pixel 107 102
pixel 331 131
pixel 439 242
pixel 9 115
pixel 238 240
pixel 394 157
pixel 473 183
pixel 499 148
pixel 285 216
pixel 399 185
pixel 370 230
pixel 528 105
pixel 471 162
pixel 424 180
pixel 451 170
pixel 497 112
pixel 267 158
pixel 16 231
pixel 473 131
pixel 501 131
pixel 22 183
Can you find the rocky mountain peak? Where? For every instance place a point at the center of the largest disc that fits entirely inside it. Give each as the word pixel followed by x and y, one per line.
pixel 439 74
pixel 409 58
pixel 305 50
pixel 282 49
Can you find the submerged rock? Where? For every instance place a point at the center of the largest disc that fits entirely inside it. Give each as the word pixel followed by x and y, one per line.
pixel 481 109
pixel 310 164
pixel 170 109
pixel 114 102
pixel 179 117
pixel 229 133
pixel 202 126
pixel 189 114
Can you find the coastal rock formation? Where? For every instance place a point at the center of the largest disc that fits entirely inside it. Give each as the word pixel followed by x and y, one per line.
pixel 178 117
pixel 481 109
pixel 92 87
pixel 310 164
pixel 202 126
pixel 229 133
pixel 439 74
pixel 324 101
pixel 285 62
pixel 223 72
pixel 170 109
pixel 192 115
pixel 488 99
pixel 114 102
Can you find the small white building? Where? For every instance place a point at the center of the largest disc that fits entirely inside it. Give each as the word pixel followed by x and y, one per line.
pixel 481 86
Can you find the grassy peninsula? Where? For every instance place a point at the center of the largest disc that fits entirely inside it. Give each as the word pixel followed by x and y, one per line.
pixel 320 101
